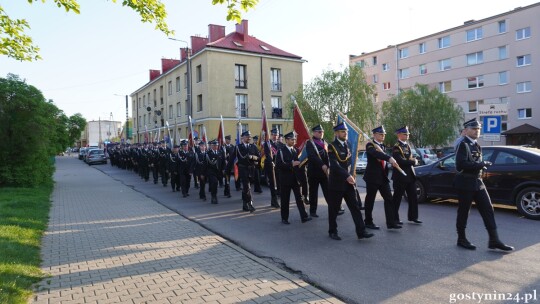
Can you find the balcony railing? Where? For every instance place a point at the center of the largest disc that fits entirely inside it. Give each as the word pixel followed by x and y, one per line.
pixel 240 83
pixel 277 113
pixel 275 86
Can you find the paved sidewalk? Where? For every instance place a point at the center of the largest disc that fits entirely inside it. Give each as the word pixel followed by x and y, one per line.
pixel 107 243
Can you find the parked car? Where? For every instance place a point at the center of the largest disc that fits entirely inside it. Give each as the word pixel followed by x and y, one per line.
pixel 513 179
pixel 96 156
pixel 428 156
pixel 361 162
pixel 85 159
pixel 82 153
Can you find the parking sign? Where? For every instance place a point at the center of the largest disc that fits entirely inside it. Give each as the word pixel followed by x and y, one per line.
pixel 491 128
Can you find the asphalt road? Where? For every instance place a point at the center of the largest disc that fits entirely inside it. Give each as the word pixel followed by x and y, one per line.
pixel 416 264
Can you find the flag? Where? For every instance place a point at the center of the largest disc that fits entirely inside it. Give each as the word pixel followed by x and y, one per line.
pixel 191 137
pixel 145 134
pixel 302 133
pixel 203 135
pixel 264 136
pixel 235 160
pixel 353 139
pixel 221 135
pixel 168 140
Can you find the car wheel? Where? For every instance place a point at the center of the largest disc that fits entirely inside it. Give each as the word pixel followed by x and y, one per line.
pixel 528 203
pixel 420 192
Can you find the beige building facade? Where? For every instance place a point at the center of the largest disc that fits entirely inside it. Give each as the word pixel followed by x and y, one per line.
pixel 490 61
pixel 230 75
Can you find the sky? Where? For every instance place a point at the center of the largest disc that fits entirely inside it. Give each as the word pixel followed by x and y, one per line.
pixel 92 60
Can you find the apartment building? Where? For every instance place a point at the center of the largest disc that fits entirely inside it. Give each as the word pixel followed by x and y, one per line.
pixel 495 60
pixel 221 75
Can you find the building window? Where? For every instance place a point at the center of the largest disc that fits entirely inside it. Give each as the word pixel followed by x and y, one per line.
pixel 474 34
pixel 170 88
pixel 241 105
pixel 170 112
pixel 445 64
pixel 178 84
pixel 386 86
pixel 503 77
pixel 444 42
pixel 244 128
pixel 503 52
pixel 277 109
pixel 523 87
pixel 475 82
pixel 144 100
pixel 361 63
pixel 187 107
pixel 185 80
pixel 275 80
pixel 199 103
pixel 523 33
pixel 198 73
pixel 403 73
pixel 240 80
pixel 403 53
pixel 374 60
pixel 422 48
pixel 385 67
pixel 523 60
pixel 160 96
pixel 375 78
pixel 423 69
pixel 524 113
pixel 475 58
pixel 144 121
pixel 502 26
pixel 178 109
pixel 473 105
pixel 504 122
pixel 503 100
pixel 445 87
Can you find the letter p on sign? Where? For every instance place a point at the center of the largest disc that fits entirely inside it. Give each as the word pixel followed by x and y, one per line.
pixel 492 125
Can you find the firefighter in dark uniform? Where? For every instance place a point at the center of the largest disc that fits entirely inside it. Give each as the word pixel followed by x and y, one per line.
pixel 341 184
pixel 185 167
pixel 200 169
pixel 317 168
pixel 287 163
pixel 402 153
pixel 172 165
pixel 469 185
pixel 247 156
pixel 144 158
pixel 154 161
pixel 257 172
pixel 214 169
pixel 196 150
pixel 271 149
pixel 229 150
pixel 376 177
pixel 164 153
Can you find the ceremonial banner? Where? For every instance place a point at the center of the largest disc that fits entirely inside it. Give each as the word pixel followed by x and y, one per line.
pixel 264 136
pixel 353 140
pixel 302 133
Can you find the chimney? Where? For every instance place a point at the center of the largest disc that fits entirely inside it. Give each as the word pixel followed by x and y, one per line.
pixel 154 74
pixel 198 43
pixel 183 54
pixel 167 64
pixel 242 29
pixel 215 32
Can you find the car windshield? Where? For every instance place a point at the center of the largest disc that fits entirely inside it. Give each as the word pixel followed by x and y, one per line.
pixel 449 162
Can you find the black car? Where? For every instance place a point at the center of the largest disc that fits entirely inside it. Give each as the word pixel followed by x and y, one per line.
pixel 513 179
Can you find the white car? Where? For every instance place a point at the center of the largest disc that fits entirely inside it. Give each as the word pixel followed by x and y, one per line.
pixel 427 155
pixel 361 162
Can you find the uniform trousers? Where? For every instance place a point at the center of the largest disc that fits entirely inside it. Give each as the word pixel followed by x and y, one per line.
pixel 334 203
pixel 314 181
pixel 244 173
pixel 483 203
pixel 386 193
pixel 410 189
pixel 285 197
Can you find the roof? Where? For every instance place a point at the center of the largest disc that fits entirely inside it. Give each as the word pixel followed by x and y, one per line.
pixel 234 41
pixel 523 129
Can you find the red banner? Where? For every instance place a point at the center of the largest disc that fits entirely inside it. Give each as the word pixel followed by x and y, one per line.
pixel 300 127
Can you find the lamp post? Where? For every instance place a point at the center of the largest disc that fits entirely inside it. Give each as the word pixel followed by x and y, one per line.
pixel 188 68
pixel 127 118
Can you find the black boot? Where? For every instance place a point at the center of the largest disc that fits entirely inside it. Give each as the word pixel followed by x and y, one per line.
pixel 227 191
pixel 274 203
pixel 250 206
pixel 495 243
pixel 462 240
pixel 214 199
pixel 245 206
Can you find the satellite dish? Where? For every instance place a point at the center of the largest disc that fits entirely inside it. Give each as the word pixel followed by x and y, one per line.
pixel 148 109
pixel 158 112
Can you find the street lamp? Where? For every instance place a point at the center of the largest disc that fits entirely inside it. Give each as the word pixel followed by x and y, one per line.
pixel 127 118
pixel 188 62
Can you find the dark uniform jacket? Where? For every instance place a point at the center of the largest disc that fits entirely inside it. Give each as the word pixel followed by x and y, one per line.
pixel 185 162
pixel 200 163
pixel 469 165
pixel 402 153
pixel 215 162
pixel 284 159
pixel 339 157
pixel 274 148
pixel 376 169
pixel 317 157
pixel 247 156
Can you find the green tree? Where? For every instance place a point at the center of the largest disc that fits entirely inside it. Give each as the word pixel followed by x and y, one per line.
pixel 76 124
pixel 433 117
pixel 16 44
pixel 31 132
pixel 346 91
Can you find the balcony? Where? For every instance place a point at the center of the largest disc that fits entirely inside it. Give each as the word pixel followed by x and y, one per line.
pixel 277 113
pixel 275 86
pixel 240 83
